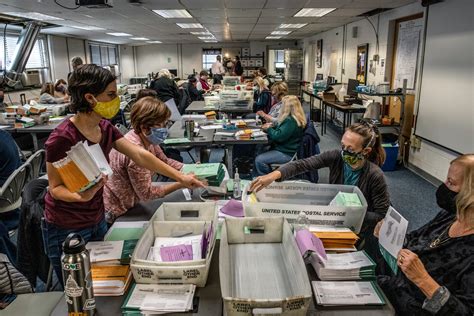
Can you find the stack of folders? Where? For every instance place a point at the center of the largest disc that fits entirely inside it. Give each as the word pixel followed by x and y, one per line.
pixel 346 199
pixel 344 266
pixel 152 299
pixel 213 173
pixel 335 239
pixel 110 260
pixel 340 266
pixel 185 248
pixel 347 293
pixel 82 167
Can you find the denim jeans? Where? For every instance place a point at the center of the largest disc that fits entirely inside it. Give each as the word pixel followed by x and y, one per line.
pixel 53 238
pixel 263 161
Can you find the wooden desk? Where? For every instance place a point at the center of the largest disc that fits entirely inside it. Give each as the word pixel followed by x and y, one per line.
pixel 346 109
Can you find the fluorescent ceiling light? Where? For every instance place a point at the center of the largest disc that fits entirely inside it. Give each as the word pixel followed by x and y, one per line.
pixel 292 26
pixel 209 41
pixel 140 39
pixel 87 28
pixel 310 12
pixel 154 42
pixel 119 34
pixel 170 14
pixel 200 33
pixel 281 32
pixel 273 37
pixel 207 37
pixel 189 25
pixel 34 16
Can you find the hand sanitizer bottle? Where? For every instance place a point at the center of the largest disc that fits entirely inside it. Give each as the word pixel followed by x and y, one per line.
pixel 301 222
pixel 237 191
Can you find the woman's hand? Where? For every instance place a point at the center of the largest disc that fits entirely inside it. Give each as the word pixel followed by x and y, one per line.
pixel 190 181
pixel 266 126
pixel 88 194
pixel 261 113
pixel 415 271
pixel 377 228
pixel 264 181
pixel 412 266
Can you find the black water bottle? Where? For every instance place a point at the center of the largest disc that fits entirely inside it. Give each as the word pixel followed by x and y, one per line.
pixel 76 267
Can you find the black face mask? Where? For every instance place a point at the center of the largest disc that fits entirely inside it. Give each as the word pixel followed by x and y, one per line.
pixel 446 198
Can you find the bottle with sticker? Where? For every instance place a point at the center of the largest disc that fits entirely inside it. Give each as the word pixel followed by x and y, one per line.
pixel 76 266
pixel 237 190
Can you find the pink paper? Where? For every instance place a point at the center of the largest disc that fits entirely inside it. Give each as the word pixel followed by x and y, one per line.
pixel 233 208
pixel 308 243
pixel 176 253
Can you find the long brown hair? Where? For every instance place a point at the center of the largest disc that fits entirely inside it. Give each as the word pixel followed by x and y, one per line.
pixel 371 138
pixel 279 90
pixel 465 197
pixel 48 88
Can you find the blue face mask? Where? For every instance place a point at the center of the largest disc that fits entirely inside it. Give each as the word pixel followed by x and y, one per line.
pixel 157 135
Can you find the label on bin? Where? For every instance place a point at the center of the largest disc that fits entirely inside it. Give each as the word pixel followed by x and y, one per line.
pixel 191 274
pixel 295 304
pixel 241 307
pixel 145 273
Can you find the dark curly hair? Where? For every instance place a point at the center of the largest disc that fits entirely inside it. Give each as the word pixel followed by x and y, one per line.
pixel 89 78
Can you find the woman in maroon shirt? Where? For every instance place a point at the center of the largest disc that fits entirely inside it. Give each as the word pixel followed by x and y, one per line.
pixel 93 93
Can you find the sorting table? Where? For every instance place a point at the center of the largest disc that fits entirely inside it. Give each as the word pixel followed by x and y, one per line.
pixel 210 302
pixel 345 108
pixel 199 107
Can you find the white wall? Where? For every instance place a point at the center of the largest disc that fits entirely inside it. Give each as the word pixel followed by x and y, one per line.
pixel 429 158
pixel 59 57
pixel 127 63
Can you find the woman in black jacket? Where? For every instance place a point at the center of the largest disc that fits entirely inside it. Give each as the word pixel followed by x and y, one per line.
pixel 356 163
pixel 194 93
pixel 165 87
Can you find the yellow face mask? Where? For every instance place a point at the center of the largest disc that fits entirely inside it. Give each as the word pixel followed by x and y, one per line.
pixel 107 109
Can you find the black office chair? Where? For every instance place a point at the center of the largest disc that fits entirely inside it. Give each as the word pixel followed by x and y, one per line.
pixel 37 165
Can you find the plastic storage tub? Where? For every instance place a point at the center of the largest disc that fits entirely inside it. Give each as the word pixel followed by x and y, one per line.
pixel 172 220
pixel 391 155
pixel 261 269
pixel 288 199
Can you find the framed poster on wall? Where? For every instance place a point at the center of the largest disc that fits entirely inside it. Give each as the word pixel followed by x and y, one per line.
pixel 319 53
pixel 362 54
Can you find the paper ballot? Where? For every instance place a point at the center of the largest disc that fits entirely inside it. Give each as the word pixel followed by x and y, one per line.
pixel 175 115
pixel 347 293
pixel 391 237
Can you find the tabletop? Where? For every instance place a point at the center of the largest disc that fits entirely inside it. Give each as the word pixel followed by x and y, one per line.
pixel 203 138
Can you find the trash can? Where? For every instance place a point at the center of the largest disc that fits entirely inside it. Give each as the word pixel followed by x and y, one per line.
pixel 391 155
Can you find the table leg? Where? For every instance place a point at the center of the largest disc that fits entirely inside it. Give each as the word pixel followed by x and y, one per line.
pixel 35 141
pixel 204 154
pixel 344 122
pixel 230 152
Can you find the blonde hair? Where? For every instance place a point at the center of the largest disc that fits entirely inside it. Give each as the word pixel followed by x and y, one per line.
pixel 147 112
pixel 261 83
pixel 465 197
pixel 280 89
pixel 291 106
pixel 164 73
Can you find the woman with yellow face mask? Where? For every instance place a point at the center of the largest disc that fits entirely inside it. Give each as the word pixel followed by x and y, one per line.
pixel 94 99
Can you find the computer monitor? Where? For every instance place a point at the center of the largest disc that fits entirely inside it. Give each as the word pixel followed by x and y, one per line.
pixel 351 86
pixel 319 77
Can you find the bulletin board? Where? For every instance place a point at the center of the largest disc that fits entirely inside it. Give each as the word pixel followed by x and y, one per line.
pixel 407 52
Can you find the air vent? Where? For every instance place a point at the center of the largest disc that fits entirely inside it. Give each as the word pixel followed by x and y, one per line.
pixel 374 12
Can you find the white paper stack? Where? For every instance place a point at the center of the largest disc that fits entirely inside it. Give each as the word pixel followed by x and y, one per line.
pixel 347 293
pixel 194 241
pixel 344 266
pixel 156 299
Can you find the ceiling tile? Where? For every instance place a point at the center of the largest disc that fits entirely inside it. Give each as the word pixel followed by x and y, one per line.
pixel 243 13
pixel 287 4
pixel 328 3
pixel 207 13
pixel 236 4
pixel 346 12
pixel 159 4
pixel 278 12
pixel 201 4
pixel 243 20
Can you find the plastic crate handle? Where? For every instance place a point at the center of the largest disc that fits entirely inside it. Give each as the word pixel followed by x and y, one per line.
pixel 267 311
pixel 189 214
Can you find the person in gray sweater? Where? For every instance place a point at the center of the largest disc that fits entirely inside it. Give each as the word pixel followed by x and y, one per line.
pixel 357 163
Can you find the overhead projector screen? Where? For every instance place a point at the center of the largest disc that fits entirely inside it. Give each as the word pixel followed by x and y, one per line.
pixel 446 104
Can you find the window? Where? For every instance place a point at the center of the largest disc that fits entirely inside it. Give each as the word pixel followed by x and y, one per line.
pixel 209 57
pixel 279 59
pixel 38 57
pixel 103 54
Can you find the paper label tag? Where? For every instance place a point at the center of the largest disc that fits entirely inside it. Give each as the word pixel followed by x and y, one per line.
pixel 187 194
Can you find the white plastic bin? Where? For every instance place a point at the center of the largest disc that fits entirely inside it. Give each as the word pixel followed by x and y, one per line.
pixel 261 269
pixel 172 220
pixel 288 199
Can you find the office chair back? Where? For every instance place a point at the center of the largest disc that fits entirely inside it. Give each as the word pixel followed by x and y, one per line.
pixel 36 162
pixel 10 192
